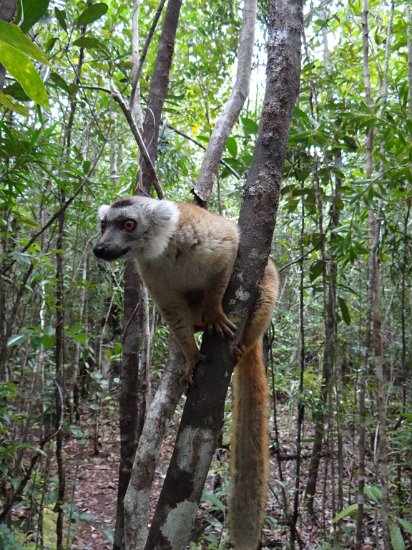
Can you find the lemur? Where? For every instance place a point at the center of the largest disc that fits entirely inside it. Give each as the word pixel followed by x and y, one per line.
pixel 185 256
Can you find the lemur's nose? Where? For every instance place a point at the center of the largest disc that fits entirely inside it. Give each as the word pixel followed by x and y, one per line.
pixel 99 250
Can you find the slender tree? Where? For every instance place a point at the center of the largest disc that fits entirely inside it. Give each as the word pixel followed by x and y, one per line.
pixel 134 294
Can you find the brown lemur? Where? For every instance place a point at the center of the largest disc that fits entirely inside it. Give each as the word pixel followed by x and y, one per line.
pixel 185 256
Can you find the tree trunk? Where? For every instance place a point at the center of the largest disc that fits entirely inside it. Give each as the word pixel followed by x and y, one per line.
pixel 368 335
pixel 129 389
pixel 131 418
pixel 159 84
pixel 202 417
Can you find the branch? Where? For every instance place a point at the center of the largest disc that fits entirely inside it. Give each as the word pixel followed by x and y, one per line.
pixel 222 162
pixel 117 96
pixel 298 259
pixel 231 111
pixel 146 49
pixel 139 140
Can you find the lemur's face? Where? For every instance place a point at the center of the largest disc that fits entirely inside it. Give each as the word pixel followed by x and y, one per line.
pixel 118 225
pixel 131 226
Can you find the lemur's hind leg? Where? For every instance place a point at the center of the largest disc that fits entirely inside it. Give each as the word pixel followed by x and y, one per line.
pixel 262 313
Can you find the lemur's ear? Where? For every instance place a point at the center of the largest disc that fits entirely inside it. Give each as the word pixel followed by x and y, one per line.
pixel 163 212
pixel 102 211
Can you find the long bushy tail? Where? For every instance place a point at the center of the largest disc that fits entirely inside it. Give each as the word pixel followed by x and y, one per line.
pixel 249 450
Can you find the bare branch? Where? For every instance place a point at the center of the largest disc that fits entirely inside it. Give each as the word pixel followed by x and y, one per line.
pixel 189 138
pixel 230 113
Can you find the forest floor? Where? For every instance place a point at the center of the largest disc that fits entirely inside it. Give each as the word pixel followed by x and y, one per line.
pixel 93 479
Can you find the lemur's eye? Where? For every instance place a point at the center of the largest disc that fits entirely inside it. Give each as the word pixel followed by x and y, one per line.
pixel 129 225
pixel 103 226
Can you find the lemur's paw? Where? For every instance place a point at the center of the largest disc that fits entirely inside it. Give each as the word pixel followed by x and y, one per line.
pixel 215 320
pixel 187 378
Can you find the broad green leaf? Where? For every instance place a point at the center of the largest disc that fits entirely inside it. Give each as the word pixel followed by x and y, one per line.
pixel 32 12
pixel 61 18
pixel 208 495
pixel 315 270
pixel 7 101
pixel 92 13
pixel 406 525
pixel 50 44
pixel 344 310
pixel 87 42
pixel 249 125
pixel 60 82
pixel 19 66
pixel 396 537
pixel 231 146
pixel 80 338
pixel 345 512
pixel 48 341
pixel 11 34
pixel 85 516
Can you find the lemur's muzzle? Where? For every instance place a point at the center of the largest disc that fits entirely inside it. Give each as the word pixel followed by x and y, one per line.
pixel 106 252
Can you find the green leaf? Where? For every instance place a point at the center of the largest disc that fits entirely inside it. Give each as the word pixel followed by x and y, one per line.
pixel 249 125
pixel 208 495
pixel 406 525
pixel 87 42
pixel 32 12
pixel 396 537
pixel 315 270
pixel 231 146
pixel 11 34
pixel 80 338
pixel 60 82
pixel 344 310
pixel 19 66
pixel 345 512
pixel 16 340
pixel 92 13
pixel 48 341
pixel 8 102
pixel 61 18
pixel 86 516
pixel 86 166
pixel 373 492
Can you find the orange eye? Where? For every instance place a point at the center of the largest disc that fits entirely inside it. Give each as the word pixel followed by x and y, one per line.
pixel 129 225
pixel 103 226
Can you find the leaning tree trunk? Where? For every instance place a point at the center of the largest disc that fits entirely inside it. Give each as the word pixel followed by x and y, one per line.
pixel 202 417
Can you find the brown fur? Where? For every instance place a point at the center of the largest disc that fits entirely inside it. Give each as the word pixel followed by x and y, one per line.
pixel 250 436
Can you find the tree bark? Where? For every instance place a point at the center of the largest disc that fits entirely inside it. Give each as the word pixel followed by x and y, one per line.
pixel 368 335
pixel 137 499
pixel 202 417
pixel 159 85
pixel 131 418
